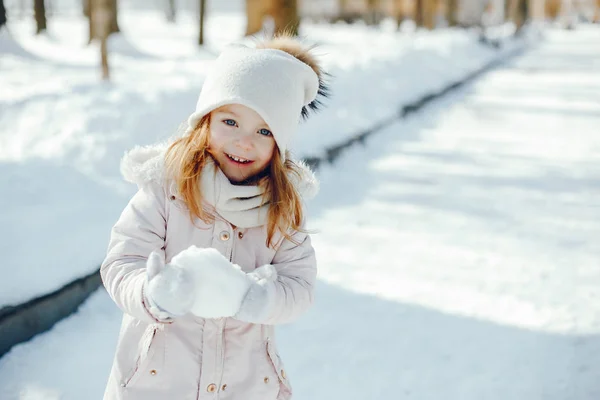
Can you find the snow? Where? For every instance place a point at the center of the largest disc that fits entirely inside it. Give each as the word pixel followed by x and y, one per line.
pixel 220 286
pixel 63 131
pixel 458 254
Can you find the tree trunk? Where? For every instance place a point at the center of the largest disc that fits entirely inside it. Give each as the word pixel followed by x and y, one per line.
pixel 255 12
pixel 419 12
pixel 2 14
pixel 104 59
pixel 452 12
pixel 522 14
pixel 342 6
pixel 551 9
pixel 285 16
pixel 109 7
pixel 87 12
pixel 517 12
pixel 171 11
pixel 372 17
pixel 39 10
pixel 510 10
pixel 428 13
pixel 597 12
pixel 101 16
pixel 202 13
pixel 114 25
pixel 399 12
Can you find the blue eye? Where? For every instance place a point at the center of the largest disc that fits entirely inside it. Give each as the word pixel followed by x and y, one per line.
pixel 230 122
pixel 265 132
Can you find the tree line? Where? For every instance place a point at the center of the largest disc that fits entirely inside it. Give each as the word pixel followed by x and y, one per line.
pixel 102 15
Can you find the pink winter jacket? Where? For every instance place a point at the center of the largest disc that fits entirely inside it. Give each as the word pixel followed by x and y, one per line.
pixel 189 357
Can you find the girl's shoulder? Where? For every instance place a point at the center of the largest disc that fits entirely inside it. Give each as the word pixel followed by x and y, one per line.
pixel 144 165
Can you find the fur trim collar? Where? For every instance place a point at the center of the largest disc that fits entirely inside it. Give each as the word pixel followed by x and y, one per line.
pixel 144 164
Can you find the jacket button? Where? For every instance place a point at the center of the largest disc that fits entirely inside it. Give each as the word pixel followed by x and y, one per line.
pixel 224 236
pixel 266 379
pixel 223 387
pixel 211 388
pixel 283 374
pixel 240 235
pixel 153 372
pixel 173 197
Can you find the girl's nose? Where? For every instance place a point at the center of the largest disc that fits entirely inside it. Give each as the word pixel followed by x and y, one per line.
pixel 245 141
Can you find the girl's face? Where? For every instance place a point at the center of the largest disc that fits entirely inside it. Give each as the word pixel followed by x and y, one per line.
pixel 240 142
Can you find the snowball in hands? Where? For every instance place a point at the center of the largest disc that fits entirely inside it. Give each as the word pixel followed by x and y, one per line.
pixel 212 286
pixel 170 287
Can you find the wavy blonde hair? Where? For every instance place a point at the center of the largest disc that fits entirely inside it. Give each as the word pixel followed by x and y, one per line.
pixel 186 158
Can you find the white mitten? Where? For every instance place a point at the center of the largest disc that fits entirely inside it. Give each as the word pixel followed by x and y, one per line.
pixel 170 287
pixel 220 285
pixel 259 300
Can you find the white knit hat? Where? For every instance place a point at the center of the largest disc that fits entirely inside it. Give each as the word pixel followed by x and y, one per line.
pixel 280 80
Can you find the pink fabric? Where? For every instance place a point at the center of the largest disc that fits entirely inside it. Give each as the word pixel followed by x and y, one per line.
pixel 187 357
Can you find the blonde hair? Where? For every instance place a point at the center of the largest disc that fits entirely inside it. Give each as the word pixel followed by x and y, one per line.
pixel 186 158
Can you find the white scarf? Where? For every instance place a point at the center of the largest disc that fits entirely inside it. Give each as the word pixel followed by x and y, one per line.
pixel 241 205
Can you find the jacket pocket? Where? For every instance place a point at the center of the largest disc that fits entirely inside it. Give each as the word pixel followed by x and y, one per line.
pixel 147 347
pixel 277 364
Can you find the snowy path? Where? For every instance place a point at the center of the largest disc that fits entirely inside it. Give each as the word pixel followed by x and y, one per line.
pixel 459 255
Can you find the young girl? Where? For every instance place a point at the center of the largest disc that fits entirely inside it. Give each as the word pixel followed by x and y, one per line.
pixel 211 254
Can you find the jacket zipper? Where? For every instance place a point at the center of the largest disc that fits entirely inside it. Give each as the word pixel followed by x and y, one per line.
pixel 220 327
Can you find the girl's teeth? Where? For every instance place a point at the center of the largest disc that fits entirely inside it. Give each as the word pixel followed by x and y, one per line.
pixel 241 160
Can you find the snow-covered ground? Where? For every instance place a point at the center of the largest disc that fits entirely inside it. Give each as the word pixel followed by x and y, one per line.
pixel 458 254
pixel 63 131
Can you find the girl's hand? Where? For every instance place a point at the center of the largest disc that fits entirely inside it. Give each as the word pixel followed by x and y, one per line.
pixel 170 288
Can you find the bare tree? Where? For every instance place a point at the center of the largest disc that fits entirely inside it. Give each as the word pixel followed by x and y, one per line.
pixel 39 10
pixel 171 11
pixel 101 14
pixel 522 14
pixel 343 6
pixel 425 13
pixel 202 13
pixel 430 13
pixel 419 12
pixel 87 12
pixel 551 8
pixel 88 9
pixel 114 24
pixel 399 11
pixel 373 13
pixel 285 15
pixel 597 12
pixel 517 12
pixel 452 12
pixel 2 14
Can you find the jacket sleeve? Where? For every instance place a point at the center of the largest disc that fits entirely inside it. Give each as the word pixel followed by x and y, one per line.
pixel 140 230
pixel 291 291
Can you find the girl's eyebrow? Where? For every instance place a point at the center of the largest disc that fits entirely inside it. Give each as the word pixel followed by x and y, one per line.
pixel 227 111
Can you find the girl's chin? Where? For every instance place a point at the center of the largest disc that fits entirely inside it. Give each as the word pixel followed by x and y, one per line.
pixel 238 177
pixel 240 174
